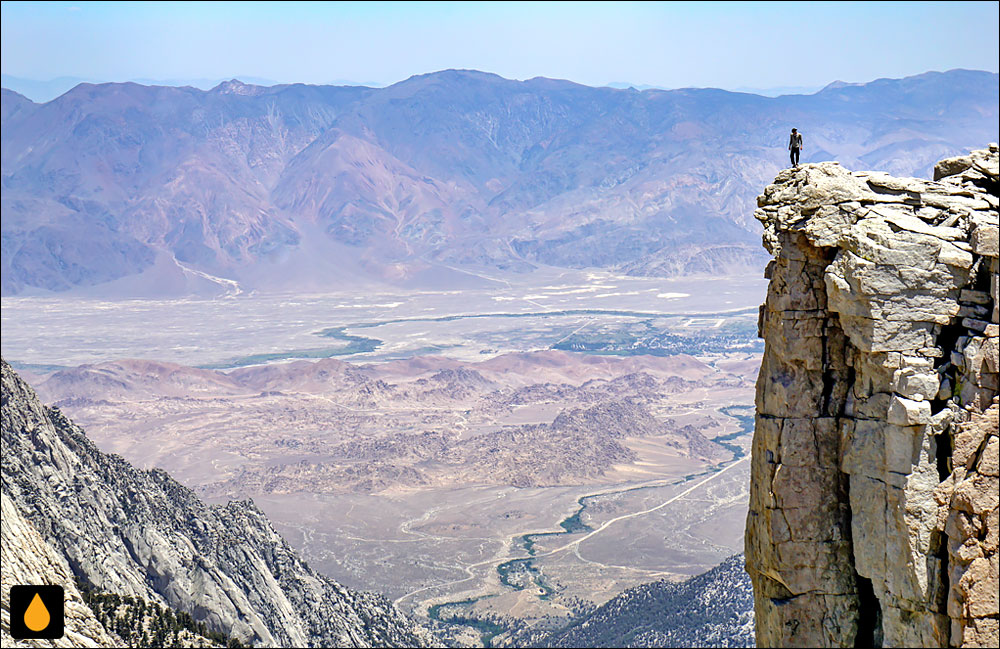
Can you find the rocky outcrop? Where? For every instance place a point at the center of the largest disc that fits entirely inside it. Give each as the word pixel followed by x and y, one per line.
pixel 142 535
pixel 714 609
pixel 873 511
pixel 28 559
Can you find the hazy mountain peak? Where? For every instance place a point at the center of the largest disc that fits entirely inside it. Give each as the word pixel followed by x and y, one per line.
pixel 237 87
pixel 14 96
pixel 550 83
pixel 833 85
pixel 452 75
pixel 13 103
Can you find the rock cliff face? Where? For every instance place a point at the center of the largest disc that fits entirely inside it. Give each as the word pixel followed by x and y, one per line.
pixel 28 559
pixel 140 534
pixel 873 512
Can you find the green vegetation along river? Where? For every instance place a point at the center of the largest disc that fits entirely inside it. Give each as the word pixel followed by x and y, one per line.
pixel 352 344
pixel 521 573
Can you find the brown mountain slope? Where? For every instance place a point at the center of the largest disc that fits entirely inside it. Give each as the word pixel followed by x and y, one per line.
pixel 139 189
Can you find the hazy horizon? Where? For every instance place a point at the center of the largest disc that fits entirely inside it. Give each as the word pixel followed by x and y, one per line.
pixel 733 46
pixel 44 90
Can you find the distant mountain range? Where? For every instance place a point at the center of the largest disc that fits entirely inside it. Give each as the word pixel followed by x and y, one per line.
pixel 125 189
pixel 764 92
pixel 41 91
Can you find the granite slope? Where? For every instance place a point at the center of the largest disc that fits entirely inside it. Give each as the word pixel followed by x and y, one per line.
pixel 141 534
pixel 714 609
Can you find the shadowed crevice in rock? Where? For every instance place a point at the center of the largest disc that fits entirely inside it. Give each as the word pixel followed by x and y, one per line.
pixel 869 617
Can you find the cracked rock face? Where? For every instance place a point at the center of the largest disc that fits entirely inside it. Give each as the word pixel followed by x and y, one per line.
pixel 873 503
pixel 28 559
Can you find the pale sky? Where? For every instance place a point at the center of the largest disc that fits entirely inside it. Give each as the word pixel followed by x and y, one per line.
pixel 667 44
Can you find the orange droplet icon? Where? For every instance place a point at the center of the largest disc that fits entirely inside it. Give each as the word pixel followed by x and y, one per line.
pixel 36 617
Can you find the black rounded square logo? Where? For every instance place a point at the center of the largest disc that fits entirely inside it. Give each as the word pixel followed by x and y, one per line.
pixel 37 612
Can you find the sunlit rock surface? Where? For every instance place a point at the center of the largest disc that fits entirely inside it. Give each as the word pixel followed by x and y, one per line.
pixel 873 513
pixel 28 559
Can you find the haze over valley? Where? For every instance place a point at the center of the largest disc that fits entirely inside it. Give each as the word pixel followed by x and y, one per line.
pixel 457 426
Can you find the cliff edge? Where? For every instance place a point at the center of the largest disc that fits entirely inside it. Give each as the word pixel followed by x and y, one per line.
pixel 874 494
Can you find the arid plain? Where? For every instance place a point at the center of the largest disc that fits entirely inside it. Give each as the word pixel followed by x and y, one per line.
pixel 519 448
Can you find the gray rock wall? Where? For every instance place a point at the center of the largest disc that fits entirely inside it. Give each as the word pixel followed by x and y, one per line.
pixel 28 559
pixel 873 513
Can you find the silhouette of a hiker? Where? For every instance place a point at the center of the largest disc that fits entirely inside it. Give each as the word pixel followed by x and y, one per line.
pixel 794 145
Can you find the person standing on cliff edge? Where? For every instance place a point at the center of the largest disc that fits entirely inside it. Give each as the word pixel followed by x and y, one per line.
pixel 794 145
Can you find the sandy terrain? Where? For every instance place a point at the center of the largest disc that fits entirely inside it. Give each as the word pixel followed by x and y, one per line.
pixel 446 446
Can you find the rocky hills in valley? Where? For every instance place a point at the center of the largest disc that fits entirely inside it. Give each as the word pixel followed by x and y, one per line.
pixel 141 539
pixel 151 190
pixel 439 481
pixel 535 419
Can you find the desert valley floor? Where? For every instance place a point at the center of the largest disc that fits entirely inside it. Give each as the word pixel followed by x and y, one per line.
pixel 526 446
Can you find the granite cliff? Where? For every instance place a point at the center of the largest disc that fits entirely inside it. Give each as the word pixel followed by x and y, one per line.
pixel 74 514
pixel 873 503
pixel 28 559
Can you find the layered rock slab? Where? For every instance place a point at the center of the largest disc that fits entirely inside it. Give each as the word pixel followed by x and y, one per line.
pixel 871 521
pixel 28 559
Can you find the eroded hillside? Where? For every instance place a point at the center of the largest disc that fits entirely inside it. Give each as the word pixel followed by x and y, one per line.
pixel 147 190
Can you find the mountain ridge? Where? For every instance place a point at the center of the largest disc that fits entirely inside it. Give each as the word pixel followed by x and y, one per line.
pixel 449 168
pixel 141 534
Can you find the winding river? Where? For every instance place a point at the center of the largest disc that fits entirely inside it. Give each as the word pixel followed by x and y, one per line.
pixel 521 573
